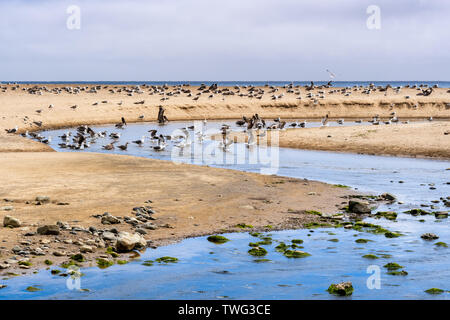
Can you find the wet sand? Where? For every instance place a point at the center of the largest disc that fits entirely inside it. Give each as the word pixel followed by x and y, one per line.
pixel 188 200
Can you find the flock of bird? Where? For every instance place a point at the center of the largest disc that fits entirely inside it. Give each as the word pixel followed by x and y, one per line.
pixel 85 136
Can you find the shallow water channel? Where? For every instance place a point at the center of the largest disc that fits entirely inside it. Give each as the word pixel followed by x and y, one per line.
pixel 226 271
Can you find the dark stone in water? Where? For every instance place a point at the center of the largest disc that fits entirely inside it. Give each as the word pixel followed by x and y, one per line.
pixel 358 207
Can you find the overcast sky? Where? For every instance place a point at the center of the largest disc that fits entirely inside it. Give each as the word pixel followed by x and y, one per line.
pixel 224 40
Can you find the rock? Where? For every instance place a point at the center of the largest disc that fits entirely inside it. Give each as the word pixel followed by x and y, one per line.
pixel 132 221
pixel 63 225
pixel 59 253
pixel 108 236
pixel 127 242
pixel 16 249
pixel 429 236
pixel 109 219
pixel 50 229
pixel 38 252
pixel 12 222
pixel 42 199
pixel 141 231
pixel 4 266
pixel 149 226
pixel 441 215
pixel 358 207
pixel 341 289
pixel 86 249
pixel 388 196
pixel 7 208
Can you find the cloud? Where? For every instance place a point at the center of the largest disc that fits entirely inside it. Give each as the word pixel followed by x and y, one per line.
pixel 224 40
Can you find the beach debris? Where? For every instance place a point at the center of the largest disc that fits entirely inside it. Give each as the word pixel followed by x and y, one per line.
pixel 11 222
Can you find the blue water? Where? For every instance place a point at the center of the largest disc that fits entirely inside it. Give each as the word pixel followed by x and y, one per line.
pixel 227 271
pixel 441 84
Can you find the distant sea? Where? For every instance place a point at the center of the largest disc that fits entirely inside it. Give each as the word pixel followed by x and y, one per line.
pixel 441 84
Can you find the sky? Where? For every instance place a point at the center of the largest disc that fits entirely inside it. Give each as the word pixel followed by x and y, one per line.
pixel 206 40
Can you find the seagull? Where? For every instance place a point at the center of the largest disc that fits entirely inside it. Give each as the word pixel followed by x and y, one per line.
pixel 140 142
pixel 161 144
pixel 251 138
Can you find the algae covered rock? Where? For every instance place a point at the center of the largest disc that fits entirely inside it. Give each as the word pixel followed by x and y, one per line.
pixel 355 206
pixel 257 252
pixel 434 291
pixel 217 239
pixel 296 254
pixel 341 289
pixel 392 266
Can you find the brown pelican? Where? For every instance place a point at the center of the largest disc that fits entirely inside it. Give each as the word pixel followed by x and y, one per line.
pixel 13 130
pixel 325 121
pixel 109 146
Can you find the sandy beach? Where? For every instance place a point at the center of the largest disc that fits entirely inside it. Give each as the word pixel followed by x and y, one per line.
pixel 208 200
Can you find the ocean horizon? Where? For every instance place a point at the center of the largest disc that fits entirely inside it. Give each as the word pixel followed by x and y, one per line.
pixel 441 84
